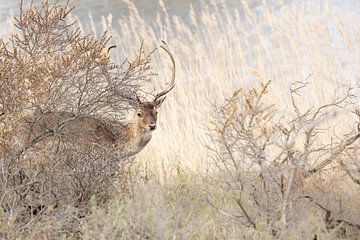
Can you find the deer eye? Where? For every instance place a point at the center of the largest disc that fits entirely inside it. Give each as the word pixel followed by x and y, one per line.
pixel 156 113
pixel 139 114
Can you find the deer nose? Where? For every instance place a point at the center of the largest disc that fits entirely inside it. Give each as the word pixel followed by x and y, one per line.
pixel 152 126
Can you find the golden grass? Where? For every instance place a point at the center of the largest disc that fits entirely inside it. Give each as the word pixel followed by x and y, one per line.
pixel 226 49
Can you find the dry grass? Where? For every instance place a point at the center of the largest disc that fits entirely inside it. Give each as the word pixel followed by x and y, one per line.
pixel 224 50
pixel 178 194
pixel 220 50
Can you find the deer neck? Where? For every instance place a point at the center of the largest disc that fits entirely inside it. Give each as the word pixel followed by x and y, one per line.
pixel 138 138
pixel 141 136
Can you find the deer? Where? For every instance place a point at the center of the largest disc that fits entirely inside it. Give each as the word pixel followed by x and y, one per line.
pixel 138 132
pixel 128 137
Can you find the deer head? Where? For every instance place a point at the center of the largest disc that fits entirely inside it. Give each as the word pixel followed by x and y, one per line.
pixel 146 113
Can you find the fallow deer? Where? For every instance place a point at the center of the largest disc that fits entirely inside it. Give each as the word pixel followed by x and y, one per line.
pixel 128 138
pixel 138 131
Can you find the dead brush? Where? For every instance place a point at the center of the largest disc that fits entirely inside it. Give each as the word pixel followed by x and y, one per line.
pixel 279 169
pixel 49 66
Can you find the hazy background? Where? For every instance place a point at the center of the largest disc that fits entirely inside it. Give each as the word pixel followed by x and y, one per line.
pixel 118 8
pixel 149 8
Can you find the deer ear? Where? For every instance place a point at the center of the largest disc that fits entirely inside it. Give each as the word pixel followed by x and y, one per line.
pixel 159 101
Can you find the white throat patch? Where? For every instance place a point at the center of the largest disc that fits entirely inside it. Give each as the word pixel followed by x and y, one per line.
pixel 147 137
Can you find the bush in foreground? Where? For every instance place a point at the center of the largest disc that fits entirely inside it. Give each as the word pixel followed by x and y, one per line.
pixel 50 68
pixel 282 172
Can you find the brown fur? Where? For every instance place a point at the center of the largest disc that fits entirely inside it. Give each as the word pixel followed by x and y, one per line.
pixel 129 138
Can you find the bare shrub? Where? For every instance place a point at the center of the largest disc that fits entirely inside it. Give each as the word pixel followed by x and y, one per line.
pixel 280 170
pixel 52 76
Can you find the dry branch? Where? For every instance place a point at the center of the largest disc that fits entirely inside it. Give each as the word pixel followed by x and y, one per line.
pixel 271 163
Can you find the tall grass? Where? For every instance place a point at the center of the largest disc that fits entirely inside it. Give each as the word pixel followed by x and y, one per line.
pixel 218 49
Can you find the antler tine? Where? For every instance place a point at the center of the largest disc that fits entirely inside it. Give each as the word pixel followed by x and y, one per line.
pixel 172 83
pixel 110 47
pixel 106 51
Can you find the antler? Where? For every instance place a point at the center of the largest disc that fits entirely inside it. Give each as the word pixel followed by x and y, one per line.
pixel 172 83
pixel 109 48
pixel 105 53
